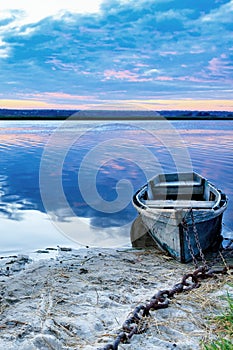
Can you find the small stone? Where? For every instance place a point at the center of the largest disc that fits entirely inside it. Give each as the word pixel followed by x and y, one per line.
pixel 65 249
pixel 42 251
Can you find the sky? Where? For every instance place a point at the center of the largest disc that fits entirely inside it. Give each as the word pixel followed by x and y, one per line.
pixel 116 54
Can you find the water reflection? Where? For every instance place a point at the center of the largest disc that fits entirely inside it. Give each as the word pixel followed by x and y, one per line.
pixel 28 230
pixel 22 144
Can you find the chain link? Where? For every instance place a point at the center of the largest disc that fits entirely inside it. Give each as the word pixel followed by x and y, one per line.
pixel 135 323
pixel 187 237
pixel 197 240
pixel 196 237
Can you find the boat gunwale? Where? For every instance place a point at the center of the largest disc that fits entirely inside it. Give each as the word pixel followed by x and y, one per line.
pixel 216 209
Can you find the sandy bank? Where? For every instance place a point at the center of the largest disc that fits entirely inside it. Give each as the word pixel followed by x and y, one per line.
pixel 80 298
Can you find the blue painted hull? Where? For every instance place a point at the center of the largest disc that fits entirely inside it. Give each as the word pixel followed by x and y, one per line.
pixel 163 219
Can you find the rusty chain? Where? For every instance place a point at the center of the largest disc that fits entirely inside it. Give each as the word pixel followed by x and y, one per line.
pixel 187 237
pixel 161 300
pixel 197 239
pixel 134 323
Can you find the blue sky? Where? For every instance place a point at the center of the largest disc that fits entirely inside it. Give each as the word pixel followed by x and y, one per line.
pixel 145 54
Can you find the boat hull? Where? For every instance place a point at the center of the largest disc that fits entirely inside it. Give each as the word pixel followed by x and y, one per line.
pixel 169 234
pixel 166 224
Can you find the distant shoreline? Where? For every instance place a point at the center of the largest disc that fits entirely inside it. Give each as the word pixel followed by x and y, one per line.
pixel 109 115
pixel 28 118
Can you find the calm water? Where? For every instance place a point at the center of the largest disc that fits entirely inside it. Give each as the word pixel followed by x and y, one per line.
pixel 71 183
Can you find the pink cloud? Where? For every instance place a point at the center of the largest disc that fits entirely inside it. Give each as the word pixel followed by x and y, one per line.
pixel 124 75
pixel 196 51
pixel 220 65
pixel 58 64
pixel 167 53
pixel 164 78
pixel 141 65
pixel 62 95
pixel 215 65
pixel 191 78
pixel 56 96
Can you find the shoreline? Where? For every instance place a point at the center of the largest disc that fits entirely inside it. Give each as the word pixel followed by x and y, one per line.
pixel 139 118
pixel 112 115
pixel 78 299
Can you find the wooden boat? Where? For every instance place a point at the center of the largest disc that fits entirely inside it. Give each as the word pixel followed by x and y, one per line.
pixel 175 206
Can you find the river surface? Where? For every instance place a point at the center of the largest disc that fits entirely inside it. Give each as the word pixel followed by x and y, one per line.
pixel 71 183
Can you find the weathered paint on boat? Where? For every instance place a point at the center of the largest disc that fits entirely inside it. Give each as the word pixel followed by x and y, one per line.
pixel 165 201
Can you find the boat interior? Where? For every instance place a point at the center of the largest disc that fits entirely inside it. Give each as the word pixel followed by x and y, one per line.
pixel 184 190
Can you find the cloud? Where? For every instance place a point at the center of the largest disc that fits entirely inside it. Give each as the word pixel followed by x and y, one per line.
pixel 124 75
pixel 221 68
pixel 54 96
pixel 221 14
pixel 169 53
pixel 4 50
pixel 34 12
pixel 215 65
pixel 164 78
pixel 125 49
